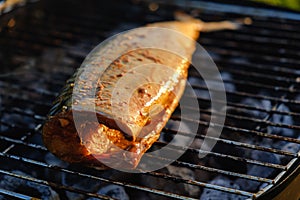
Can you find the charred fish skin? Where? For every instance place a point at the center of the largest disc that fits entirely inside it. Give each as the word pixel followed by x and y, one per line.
pixel 148 109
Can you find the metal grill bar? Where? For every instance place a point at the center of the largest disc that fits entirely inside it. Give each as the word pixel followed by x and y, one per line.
pixel 239 106
pixel 191 150
pixel 279 78
pixel 255 96
pixel 210 169
pixel 194 85
pixel 265 59
pixel 258 66
pixel 11 79
pixel 21 142
pixel 23 138
pixel 233 142
pixel 19 111
pixel 240 130
pixel 207 185
pixel 245 131
pixel 258 85
pixel 233 116
pixel 15 195
pixel 257 39
pixel 52 41
pixel 47 183
pixel 28 89
pixel 246 160
pixel 29 101
pixel 233 105
pixel 10 125
pixel 225 156
pixel 38 147
pixel 44 165
pixel 15 110
pixel 261 121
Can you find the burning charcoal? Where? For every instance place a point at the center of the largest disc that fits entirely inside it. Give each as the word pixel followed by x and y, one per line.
pixel 75 196
pixel 11 118
pixel 290 147
pixel 201 93
pixel 179 140
pixel 229 164
pixel 281 119
pixel 53 160
pixel 195 80
pixel 224 162
pixel 213 83
pixel 114 191
pixel 187 174
pixel 169 185
pixel 15 184
pixel 259 171
pixel 228 86
pixel 236 122
pixel 264 104
pixel 296 107
pixel 210 194
pixel 81 184
pixel 265 157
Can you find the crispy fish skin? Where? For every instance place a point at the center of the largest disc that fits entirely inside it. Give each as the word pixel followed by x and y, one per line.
pixel 150 105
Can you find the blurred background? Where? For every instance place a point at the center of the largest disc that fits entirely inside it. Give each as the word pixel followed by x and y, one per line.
pixel 290 4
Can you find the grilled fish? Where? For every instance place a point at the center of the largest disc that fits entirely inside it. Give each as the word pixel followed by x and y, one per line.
pixel 126 127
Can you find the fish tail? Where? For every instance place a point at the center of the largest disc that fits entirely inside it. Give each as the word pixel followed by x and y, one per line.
pixel 212 26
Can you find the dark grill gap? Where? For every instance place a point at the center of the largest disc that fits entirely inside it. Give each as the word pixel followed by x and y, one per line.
pixel 47 44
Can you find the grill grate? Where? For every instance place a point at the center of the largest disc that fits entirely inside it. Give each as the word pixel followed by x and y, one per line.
pixel 40 47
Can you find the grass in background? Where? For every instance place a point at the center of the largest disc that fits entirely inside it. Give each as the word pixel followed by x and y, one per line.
pixel 291 4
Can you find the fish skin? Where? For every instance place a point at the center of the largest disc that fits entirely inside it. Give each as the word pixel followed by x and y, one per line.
pixel 136 130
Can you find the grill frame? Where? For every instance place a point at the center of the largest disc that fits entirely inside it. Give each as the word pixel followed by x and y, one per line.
pixel 22 141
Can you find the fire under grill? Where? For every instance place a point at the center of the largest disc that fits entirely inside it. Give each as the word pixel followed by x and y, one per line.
pixel 41 45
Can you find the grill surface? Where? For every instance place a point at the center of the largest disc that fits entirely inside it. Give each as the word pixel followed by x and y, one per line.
pixel 43 43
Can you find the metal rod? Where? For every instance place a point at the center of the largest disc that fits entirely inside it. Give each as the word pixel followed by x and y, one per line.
pixel 213 170
pixel 199 151
pixel 236 143
pixel 16 195
pixel 192 150
pixel 237 106
pixel 252 119
pixel 52 184
pixel 246 94
pixel 57 168
pixel 207 185
pixel 22 112
pixel 39 91
pixel 288 72
pixel 251 84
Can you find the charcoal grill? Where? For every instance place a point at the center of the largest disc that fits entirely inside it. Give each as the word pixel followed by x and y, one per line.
pixel 42 43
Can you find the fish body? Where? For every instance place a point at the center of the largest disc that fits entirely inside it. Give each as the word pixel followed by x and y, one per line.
pixel 133 83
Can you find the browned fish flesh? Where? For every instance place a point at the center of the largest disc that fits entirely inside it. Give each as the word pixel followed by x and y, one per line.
pixel 140 118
